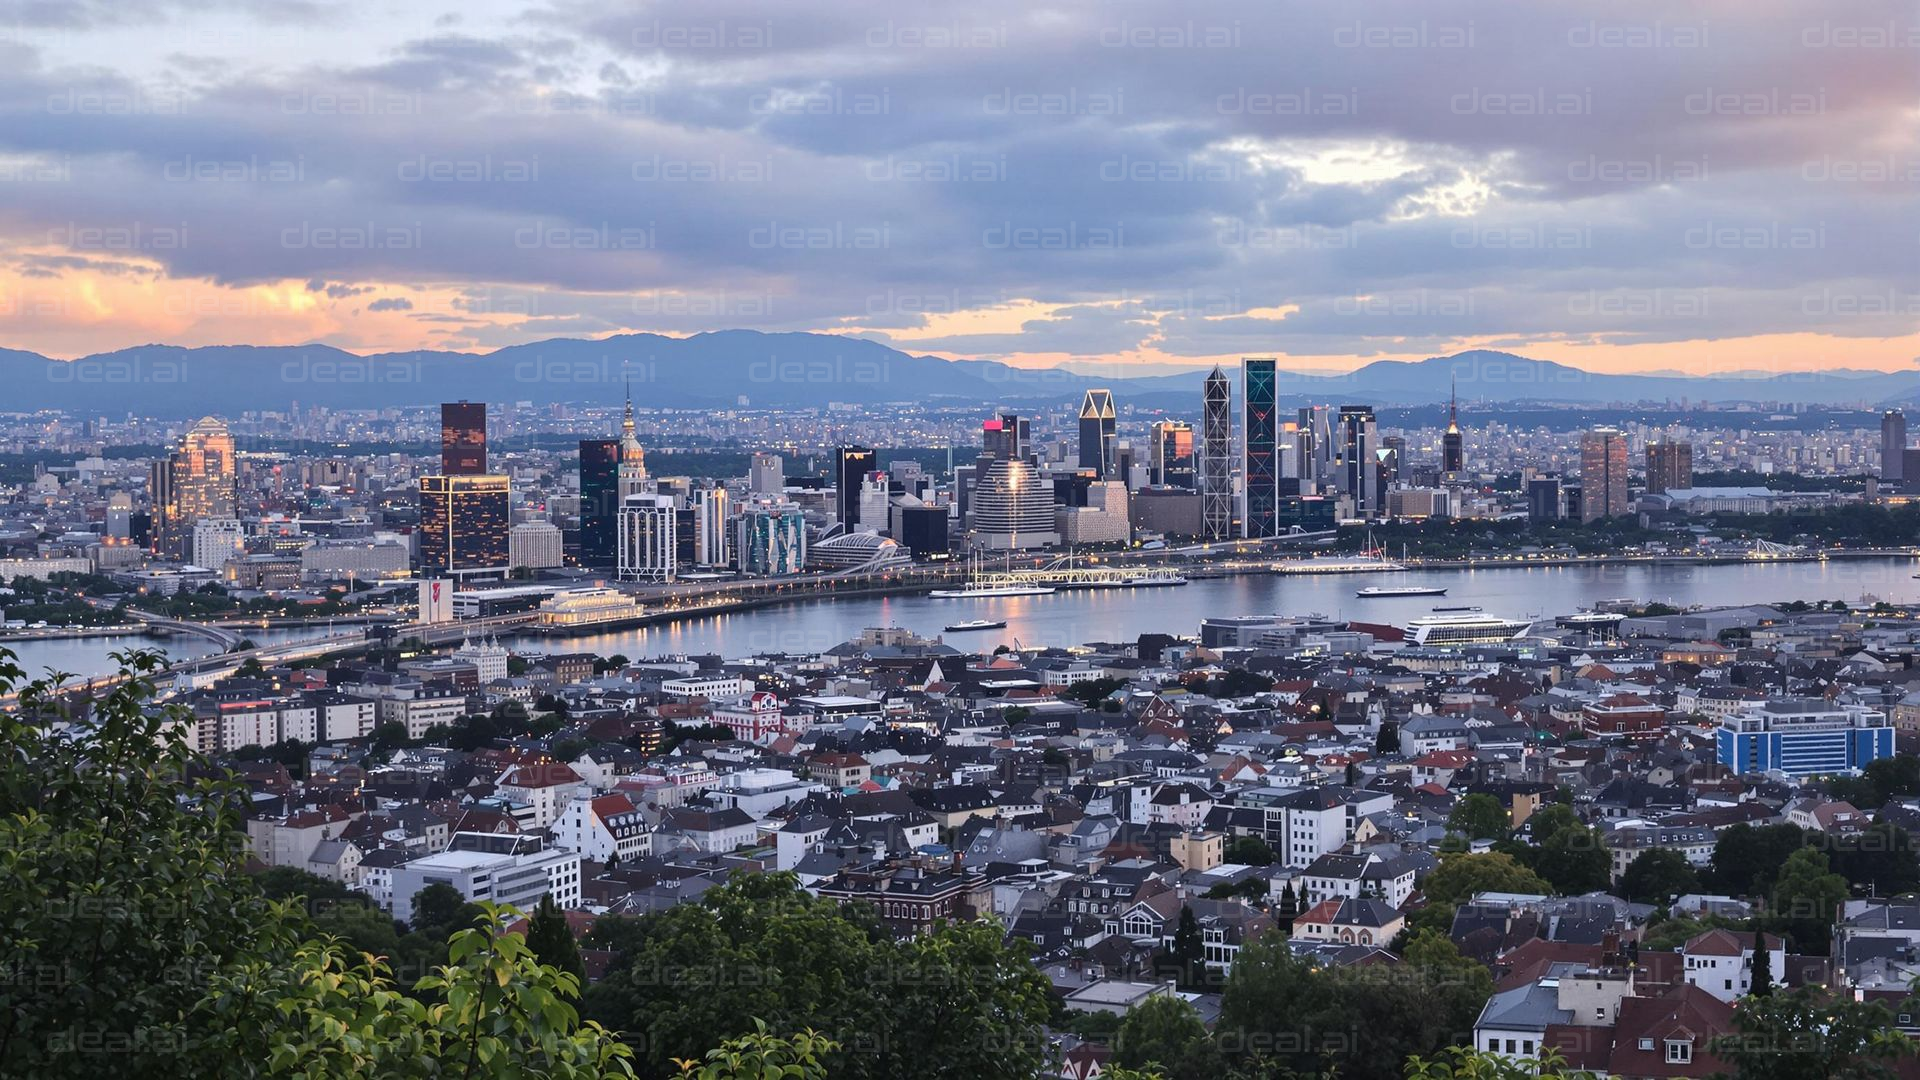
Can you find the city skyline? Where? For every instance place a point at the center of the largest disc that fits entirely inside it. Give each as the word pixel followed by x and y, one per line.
pixel 1591 185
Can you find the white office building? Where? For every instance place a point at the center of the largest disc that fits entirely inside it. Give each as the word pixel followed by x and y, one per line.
pixel 215 540
pixel 648 538
pixel 503 868
pixel 533 544
pixel 712 528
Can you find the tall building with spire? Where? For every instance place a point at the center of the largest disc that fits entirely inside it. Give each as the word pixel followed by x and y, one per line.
pixel 633 459
pixel 1216 456
pixel 1453 445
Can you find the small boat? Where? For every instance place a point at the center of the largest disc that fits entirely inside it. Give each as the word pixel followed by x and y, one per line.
pixel 1152 579
pixel 977 624
pixel 1372 592
pixel 1457 607
pixel 985 591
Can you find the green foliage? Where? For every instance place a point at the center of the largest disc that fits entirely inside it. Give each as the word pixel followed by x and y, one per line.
pixel 1166 1035
pixel 1806 899
pixel 957 1002
pixel 1881 860
pixel 1091 692
pixel 1670 934
pixel 139 946
pixel 1747 859
pixel 1187 954
pixel 1807 1035
pixel 1879 782
pixel 1460 876
pixel 1480 817
pixel 552 940
pixel 761 1056
pixel 1568 854
pixel 1466 1063
pixel 1657 875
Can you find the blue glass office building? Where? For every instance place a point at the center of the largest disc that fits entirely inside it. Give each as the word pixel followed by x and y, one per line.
pixel 1262 467
pixel 1803 737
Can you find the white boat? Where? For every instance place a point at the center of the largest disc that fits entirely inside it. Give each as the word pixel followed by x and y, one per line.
pixel 977 591
pixel 1372 592
pixel 976 624
pixel 1372 559
pixel 1465 629
pixel 1152 579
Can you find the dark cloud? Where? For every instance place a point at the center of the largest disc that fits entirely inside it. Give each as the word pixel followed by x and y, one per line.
pixel 391 303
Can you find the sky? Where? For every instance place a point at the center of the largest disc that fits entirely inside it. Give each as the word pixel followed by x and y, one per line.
pixel 1131 186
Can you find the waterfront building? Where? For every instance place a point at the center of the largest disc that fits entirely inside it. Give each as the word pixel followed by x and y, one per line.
pixel 199 480
pixel 463 524
pixel 1013 509
pixel 1170 460
pixel 647 545
pixel 587 607
pixel 712 528
pixel 772 538
pixel 1260 450
pixel 535 545
pixel 1216 456
pixel 599 501
pixel 1603 474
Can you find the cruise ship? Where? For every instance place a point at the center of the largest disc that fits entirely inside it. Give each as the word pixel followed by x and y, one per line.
pixel 1465 629
pixel 972 592
pixel 1364 563
pixel 1376 592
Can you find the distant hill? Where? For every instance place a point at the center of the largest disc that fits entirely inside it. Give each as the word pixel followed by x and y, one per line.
pixel 796 369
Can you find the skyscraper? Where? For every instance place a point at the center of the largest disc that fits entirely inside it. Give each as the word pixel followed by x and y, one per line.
pixel 851 464
pixel 1013 508
pixel 1098 424
pixel 599 501
pixel 1216 456
pixel 649 538
pixel 199 480
pixel 1669 467
pixel 633 459
pixel 712 527
pixel 1359 459
pixel 1007 438
pixel 1893 446
pixel 463 438
pixel 1603 474
pixel 1313 456
pixel 1453 445
pixel 463 524
pixel 1261 470
pixel 1170 454
pixel 767 475
pixel 1543 499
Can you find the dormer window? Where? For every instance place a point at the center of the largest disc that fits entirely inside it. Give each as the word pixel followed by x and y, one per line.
pixel 1679 1052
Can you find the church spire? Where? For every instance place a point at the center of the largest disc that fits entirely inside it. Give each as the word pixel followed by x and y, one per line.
pixel 1453 404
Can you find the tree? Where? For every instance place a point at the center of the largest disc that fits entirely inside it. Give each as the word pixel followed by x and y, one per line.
pixel 1466 1063
pixel 1270 996
pixel 1249 851
pixel 1459 877
pixel 552 941
pixel 1567 853
pixel 1658 874
pixel 1187 955
pixel 1806 1034
pixel 1162 1033
pixel 1387 740
pixel 761 1055
pixel 154 954
pixel 1746 859
pixel 1761 985
pixel 1805 901
pixel 1479 817
pixel 955 1002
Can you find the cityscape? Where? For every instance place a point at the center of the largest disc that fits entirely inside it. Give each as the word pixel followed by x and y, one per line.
pixel 521 628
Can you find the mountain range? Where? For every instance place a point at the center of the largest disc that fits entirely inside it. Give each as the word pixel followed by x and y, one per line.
pixel 733 367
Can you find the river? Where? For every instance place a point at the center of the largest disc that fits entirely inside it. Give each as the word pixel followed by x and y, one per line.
pixel 1077 616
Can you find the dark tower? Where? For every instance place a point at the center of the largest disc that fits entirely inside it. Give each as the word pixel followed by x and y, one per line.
pixel 851 464
pixel 1453 445
pixel 599 501
pixel 463 438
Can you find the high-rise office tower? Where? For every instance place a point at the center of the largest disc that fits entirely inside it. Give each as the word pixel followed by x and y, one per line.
pixel 463 524
pixel 463 438
pixel 1893 446
pixel 767 475
pixel 599 501
pixel 772 538
pixel 1393 458
pixel 1216 456
pixel 712 528
pixel 1262 460
pixel 851 464
pixel 1544 499
pixel 1098 426
pixel 1013 508
pixel 1359 459
pixel 1453 445
pixel 1313 456
pixel 1007 437
pixel 1669 467
pixel 1603 474
pixel 649 538
pixel 1170 454
pixel 199 480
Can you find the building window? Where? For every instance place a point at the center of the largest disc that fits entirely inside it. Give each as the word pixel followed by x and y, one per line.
pixel 1679 1052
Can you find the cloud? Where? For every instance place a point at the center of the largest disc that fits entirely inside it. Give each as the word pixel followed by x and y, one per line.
pixel 391 303
pixel 1154 179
